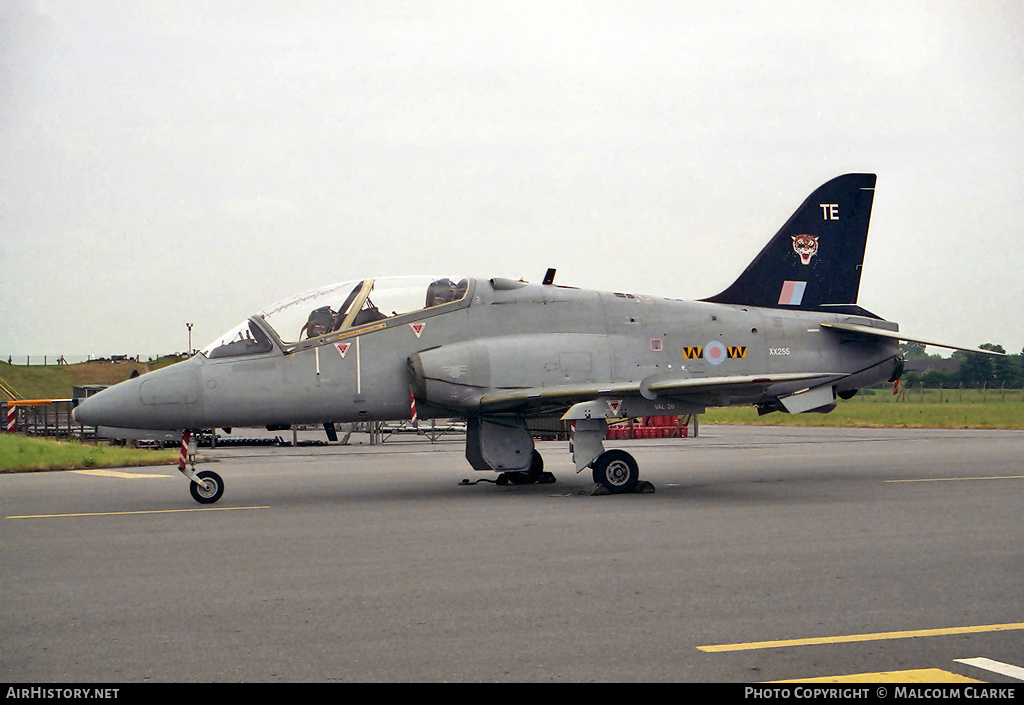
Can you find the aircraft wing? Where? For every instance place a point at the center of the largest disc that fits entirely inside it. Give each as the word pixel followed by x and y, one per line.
pixel 699 390
pixel 880 333
pixel 738 385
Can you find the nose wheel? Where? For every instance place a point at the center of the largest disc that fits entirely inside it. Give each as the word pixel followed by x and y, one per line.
pixel 209 488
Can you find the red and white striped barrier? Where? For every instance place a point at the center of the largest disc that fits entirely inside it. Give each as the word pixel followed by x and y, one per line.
pixel 12 418
pixel 412 404
pixel 183 456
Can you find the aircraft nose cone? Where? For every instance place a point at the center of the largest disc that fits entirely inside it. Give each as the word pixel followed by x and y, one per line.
pixel 111 407
pixel 163 399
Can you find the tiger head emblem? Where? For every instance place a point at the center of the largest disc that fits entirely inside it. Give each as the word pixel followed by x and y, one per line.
pixel 806 246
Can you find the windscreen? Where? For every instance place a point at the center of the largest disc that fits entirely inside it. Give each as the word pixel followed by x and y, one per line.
pixel 244 339
pixel 354 304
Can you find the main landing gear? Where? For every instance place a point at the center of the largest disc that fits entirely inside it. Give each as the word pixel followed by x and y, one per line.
pixel 503 443
pixel 206 486
pixel 614 471
pixel 534 474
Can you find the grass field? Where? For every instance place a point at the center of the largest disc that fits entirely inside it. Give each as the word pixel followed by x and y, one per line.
pixel 24 454
pixel 930 408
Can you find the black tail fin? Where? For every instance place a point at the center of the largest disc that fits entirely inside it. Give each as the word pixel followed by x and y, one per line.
pixel 814 261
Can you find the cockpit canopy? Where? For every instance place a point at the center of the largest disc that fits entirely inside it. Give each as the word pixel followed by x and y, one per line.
pixel 336 309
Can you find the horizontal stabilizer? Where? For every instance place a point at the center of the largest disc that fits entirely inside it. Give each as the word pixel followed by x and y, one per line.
pixel 894 335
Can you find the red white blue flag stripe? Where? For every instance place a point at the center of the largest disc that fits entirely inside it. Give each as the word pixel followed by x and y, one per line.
pixel 792 293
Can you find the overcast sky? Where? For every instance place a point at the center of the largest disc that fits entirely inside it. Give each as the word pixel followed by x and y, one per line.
pixel 173 162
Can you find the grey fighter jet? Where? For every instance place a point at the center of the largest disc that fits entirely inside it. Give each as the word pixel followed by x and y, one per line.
pixel 787 336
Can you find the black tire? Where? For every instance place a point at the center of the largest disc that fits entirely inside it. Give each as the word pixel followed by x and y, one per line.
pixel 616 471
pixel 536 466
pixel 531 474
pixel 211 489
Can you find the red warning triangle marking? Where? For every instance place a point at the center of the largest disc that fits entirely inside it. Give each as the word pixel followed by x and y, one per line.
pixel 417 328
pixel 613 406
pixel 342 348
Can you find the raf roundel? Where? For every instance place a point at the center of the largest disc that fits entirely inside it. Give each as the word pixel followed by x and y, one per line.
pixel 715 352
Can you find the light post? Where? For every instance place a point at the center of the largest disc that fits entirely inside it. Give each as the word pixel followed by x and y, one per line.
pixel 189 339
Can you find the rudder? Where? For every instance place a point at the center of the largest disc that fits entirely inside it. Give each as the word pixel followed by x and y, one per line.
pixel 815 260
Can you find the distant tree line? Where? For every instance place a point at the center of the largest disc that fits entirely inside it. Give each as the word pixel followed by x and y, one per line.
pixel 975 370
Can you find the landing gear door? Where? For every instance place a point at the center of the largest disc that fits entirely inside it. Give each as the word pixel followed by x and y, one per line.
pixel 500 444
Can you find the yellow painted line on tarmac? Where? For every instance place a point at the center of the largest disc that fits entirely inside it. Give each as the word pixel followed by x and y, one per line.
pixel 961 479
pixel 915 675
pixel 118 473
pixel 153 511
pixel 878 636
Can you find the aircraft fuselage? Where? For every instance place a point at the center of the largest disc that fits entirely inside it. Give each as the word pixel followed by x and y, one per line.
pixel 504 336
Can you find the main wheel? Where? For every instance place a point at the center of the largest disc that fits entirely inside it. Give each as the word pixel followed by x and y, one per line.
pixel 210 490
pixel 531 474
pixel 617 471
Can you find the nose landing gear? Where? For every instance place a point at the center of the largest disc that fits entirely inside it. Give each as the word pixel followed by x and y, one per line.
pixel 206 486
